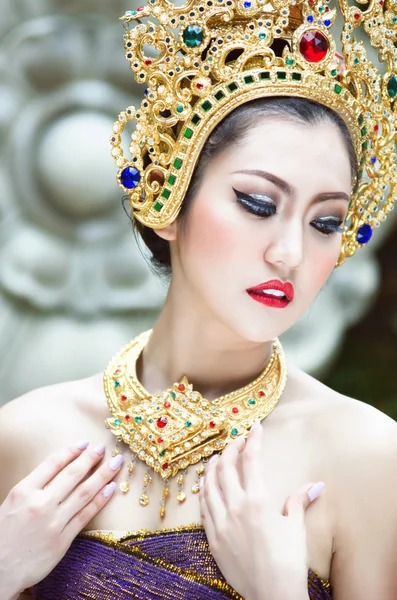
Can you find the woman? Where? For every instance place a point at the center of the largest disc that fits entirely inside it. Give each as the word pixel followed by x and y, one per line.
pixel 250 238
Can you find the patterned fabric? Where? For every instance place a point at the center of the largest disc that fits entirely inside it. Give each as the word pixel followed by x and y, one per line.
pixel 165 565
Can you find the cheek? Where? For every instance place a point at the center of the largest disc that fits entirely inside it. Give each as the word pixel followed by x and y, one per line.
pixel 323 264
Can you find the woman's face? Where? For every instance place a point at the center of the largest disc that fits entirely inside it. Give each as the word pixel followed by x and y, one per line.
pixel 269 209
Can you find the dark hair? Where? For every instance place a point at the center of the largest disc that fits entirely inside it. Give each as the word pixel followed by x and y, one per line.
pixel 230 130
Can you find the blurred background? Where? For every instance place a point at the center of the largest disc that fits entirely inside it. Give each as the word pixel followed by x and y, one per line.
pixel 74 286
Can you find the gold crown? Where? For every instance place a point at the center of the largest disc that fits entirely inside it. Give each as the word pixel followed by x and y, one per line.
pixel 210 56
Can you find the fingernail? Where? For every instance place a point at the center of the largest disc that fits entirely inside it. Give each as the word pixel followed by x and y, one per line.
pixel 109 489
pixel 82 445
pixel 316 490
pixel 116 462
pixel 255 425
pixel 213 459
pixel 100 449
pixel 201 483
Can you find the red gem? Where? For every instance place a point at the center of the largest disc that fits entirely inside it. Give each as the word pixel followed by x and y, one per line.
pixel 376 128
pixel 235 410
pixel 199 86
pixel 261 393
pixel 160 440
pixel 357 16
pixel 313 46
pixel 212 424
pixel 117 371
pixel 162 422
pixel 127 417
pixel 181 387
pixel 148 62
pixel 167 404
pixel 312 2
pixel 123 398
pixel 140 8
pixel 327 9
pixel 381 3
pixel 165 466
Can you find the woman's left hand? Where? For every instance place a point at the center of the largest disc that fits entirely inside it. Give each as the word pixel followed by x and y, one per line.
pixel 260 552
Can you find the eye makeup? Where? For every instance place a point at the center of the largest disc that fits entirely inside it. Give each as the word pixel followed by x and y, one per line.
pixel 262 206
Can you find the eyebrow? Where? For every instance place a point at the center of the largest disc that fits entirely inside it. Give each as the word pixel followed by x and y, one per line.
pixel 288 189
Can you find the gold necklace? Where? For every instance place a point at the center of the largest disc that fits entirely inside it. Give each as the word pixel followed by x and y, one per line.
pixel 177 428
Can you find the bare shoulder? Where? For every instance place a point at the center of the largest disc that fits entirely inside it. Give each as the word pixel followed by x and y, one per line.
pixel 42 421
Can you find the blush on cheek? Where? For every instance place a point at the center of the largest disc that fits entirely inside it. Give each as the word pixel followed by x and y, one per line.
pixel 323 268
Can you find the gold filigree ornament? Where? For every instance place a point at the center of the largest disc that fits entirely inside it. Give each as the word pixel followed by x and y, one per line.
pixel 179 428
pixel 201 60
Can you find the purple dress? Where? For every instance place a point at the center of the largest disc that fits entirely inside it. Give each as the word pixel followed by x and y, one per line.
pixel 171 564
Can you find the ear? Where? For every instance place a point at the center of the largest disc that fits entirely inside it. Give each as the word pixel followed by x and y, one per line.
pixel 168 233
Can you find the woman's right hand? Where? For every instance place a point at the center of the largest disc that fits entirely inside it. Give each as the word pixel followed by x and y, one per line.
pixel 44 512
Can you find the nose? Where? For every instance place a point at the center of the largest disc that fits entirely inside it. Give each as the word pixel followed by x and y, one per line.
pixel 284 248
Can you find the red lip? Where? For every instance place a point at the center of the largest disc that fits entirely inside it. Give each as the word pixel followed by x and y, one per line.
pixel 286 288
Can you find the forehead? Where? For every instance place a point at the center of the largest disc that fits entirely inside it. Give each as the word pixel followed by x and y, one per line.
pixel 294 151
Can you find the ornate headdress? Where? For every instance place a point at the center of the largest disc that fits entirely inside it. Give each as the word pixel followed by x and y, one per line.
pixel 210 56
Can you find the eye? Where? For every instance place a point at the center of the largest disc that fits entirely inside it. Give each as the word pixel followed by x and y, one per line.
pixel 261 206
pixel 328 225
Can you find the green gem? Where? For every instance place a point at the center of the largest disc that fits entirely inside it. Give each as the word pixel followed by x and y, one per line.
pixel 173 395
pixel 394 19
pixel 251 401
pixel 338 89
pixel 360 120
pixel 117 422
pixel 265 75
pixel 177 163
pixel 356 61
pixel 219 95
pixel 162 453
pixel 116 383
pixel 171 179
pixel 166 193
pixel 193 36
pixel 262 36
pixel 232 87
pixel 290 62
pixel 234 431
pixel 150 421
pixel 249 79
pixel 365 145
pixel 364 131
pixel 206 106
pixel 281 75
pixel 392 86
pixel 321 9
pixel 158 206
pixel 138 419
pixel 195 119
pixel 296 76
pixel 188 423
pixel 179 109
pixel 188 133
pixel 334 72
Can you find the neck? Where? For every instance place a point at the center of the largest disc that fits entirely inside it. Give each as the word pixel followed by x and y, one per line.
pixel 188 341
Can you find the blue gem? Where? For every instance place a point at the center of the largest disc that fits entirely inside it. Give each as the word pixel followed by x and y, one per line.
pixel 130 177
pixel 364 234
pixel 310 19
pixel 373 160
pixel 247 4
pixel 117 422
pixel 327 22
pixel 146 91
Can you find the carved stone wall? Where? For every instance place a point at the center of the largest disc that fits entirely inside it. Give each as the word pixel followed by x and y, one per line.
pixel 73 284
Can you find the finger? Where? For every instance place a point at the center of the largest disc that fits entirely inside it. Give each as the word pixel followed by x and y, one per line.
pixel 53 464
pixel 251 462
pixel 82 518
pixel 212 493
pixel 206 518
pixel 86 491
pixel 228 477
pixel 296 504
pixel 65 482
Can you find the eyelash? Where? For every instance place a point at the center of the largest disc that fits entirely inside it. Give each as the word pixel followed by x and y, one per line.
pixel 268 209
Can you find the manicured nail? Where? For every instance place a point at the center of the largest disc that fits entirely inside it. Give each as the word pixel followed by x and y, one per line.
pixel 116 462
pixel 255 425
pixel 109 489
pixel 213 459
pixel 100 449
pixel 316 490
pixel 82 445
pixel 201 482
